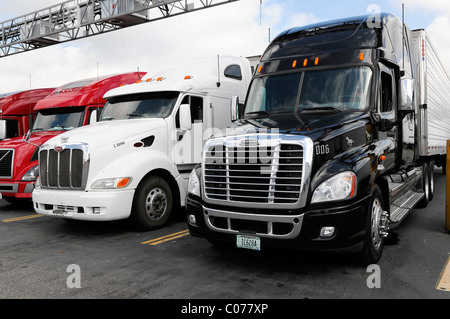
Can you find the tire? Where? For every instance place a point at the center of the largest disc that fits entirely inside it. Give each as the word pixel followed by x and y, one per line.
pixel 152 204
pixel 376 222
pixel 425 185
pixel 431 180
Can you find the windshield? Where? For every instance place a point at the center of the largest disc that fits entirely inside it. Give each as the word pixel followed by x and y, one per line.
pixel 345 89
pixel 59 119
pixel 149 105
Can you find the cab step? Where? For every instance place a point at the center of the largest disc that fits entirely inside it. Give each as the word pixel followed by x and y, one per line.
pixel 404 194
pixel 403 205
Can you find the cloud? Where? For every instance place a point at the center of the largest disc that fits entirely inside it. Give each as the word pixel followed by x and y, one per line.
pixel 227 29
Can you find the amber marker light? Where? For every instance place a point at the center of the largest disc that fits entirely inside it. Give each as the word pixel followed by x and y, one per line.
pixel 361 56
pixel 316 61
pixel 259 69
pixel 122 182
pixel 294 64
pixel 305 62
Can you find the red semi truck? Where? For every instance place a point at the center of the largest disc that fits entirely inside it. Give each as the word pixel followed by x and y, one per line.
pixel 16 111
pixel 69 106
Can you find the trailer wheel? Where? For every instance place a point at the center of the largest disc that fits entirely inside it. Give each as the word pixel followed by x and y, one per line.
pixel 375 229
pixel 153 204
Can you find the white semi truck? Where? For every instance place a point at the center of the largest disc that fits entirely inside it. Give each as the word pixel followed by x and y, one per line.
pixel 135 161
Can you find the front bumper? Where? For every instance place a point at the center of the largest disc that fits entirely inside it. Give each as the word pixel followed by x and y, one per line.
pixel 16 189
pixel 278 229
pixel 80 205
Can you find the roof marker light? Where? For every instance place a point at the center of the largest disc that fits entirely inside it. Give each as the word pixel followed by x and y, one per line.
pixel 149 80
pixel 361 56
pixel 160 79
pixel 259 69
pixel 294 64
pixel 305 62
pixel 316 61
pixel 188 77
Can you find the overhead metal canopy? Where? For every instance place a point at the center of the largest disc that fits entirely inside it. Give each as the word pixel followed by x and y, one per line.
pixel 77 19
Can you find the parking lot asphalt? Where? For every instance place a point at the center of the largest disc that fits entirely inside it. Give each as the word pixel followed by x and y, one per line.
pixel 47 258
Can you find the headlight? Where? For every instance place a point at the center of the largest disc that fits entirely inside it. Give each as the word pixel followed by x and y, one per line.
pixel 338 187
pixel 111 183
pixel 194 183
pixel 31 174
pixel 37 183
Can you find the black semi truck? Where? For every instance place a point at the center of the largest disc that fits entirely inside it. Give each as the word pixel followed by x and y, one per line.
pixel 343 124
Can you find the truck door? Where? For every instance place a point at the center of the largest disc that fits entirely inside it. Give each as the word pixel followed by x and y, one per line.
pixel 387 105
pixel 189 143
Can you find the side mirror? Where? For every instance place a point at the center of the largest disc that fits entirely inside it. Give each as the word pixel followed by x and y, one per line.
pixel 93 117
pixel 407 95
pixel 384 124
pixel 2 129
pixel 26 137
pixel 185 117
pixel 234 108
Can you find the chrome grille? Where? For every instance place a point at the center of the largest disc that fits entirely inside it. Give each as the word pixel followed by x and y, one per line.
pixel 66 169
pixel 253 174
pixel 6 163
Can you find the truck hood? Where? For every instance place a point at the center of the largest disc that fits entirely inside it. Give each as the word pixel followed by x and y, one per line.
pixel 314 125
pixel 37 138
pixel 112 133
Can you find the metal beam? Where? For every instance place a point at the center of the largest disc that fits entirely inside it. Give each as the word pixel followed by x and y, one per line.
pixel 77 19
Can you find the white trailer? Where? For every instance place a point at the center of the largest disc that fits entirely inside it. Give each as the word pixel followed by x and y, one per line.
pixel 135 162
pixel 434 100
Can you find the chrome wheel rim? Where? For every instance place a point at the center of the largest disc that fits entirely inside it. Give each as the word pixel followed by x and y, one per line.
pixel 377 224
pixel 156 203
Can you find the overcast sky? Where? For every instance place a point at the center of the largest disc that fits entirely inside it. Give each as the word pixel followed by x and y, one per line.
pixel 238 28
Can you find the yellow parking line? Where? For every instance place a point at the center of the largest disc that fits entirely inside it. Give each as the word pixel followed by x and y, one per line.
pixel 9 220
pixel 444 279
pixel 163 239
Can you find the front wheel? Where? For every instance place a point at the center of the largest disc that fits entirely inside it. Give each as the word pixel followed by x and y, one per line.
pixel 376 228
pixel 152 204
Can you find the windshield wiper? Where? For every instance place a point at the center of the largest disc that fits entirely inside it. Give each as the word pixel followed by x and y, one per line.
pixel 320 108
pixel 135 115
pixel 257 114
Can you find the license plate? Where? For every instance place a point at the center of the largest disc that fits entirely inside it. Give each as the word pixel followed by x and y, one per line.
pixel 59 212
pixel 248 242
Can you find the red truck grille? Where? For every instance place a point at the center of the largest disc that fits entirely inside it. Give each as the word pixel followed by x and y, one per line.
pixel 6 163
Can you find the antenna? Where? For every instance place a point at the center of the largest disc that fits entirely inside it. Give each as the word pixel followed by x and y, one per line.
pixel 403 34
pixel 218 71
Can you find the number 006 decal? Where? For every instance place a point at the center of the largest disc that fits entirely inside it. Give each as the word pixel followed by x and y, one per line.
pixel 322 149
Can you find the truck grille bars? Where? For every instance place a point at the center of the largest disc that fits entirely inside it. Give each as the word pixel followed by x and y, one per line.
pixel 66 168
pixel 6 163
pixel 255 171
